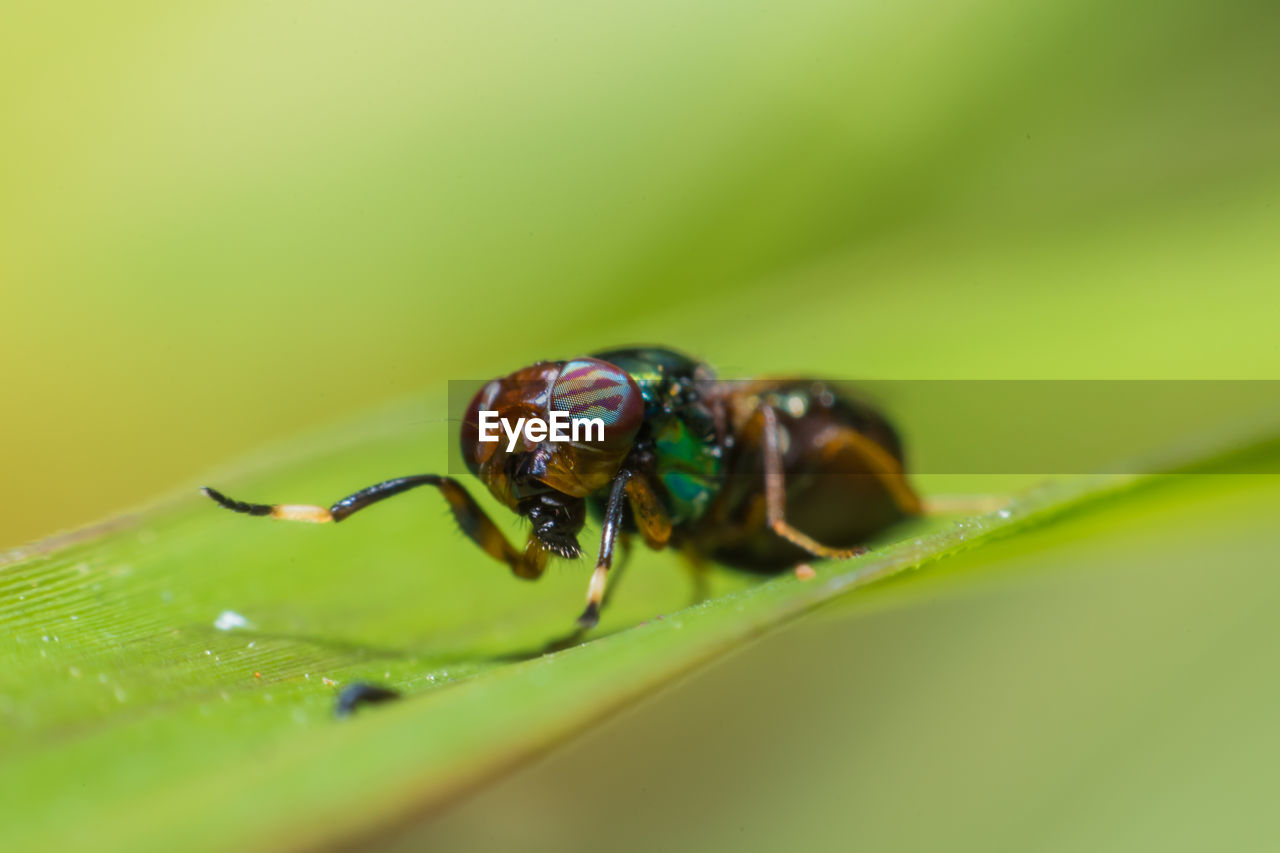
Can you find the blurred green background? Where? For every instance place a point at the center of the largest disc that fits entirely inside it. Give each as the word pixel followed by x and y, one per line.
pixel 222 224
pixel 225 222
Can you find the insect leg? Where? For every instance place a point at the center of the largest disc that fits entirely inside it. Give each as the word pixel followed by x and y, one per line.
pixel 575 636
pixel 608 535
pixel 650 515
pixel 624 545
pixel 470 517
pixel 776 496
pixel 887 469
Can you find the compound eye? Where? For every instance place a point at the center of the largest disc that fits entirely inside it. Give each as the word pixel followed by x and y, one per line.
pixel 474 451
pixel 589 388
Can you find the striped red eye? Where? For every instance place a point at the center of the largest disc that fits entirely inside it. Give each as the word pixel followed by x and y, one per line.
pixel 589 388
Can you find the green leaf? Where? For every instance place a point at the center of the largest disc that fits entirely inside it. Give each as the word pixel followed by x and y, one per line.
pixel 131 717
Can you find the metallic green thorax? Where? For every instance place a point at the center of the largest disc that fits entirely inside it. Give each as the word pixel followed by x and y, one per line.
pixel 679 426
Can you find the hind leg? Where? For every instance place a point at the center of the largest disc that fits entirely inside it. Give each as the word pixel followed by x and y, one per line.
pixel 846 446
pixel 775 495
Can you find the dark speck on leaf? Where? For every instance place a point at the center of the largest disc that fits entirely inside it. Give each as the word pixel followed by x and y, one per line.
pixel 361 693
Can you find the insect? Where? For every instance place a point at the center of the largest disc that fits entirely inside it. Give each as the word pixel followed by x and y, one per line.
pixel 756 474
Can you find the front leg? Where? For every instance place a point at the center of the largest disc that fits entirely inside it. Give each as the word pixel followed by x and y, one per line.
pixel 471 519
pixel 608 536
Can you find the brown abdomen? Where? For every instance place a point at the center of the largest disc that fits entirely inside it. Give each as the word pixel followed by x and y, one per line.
pixel 843 467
